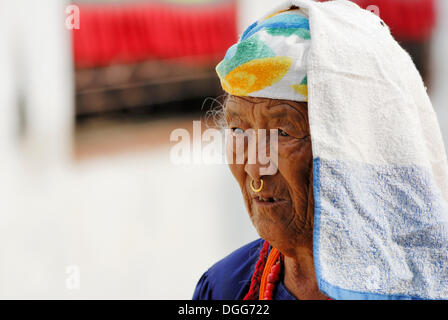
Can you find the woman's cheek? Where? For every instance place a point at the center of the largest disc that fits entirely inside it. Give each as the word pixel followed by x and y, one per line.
pixel 295 159
pixel 288 152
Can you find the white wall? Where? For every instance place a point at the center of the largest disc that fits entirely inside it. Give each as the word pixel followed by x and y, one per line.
pixel 37 70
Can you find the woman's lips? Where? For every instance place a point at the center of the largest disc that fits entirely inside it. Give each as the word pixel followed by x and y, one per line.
pixel 267 200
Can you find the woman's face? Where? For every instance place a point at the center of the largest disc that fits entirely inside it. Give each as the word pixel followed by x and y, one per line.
pixel 286 219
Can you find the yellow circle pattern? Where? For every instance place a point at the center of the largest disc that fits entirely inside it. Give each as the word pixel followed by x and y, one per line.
pixel 256 75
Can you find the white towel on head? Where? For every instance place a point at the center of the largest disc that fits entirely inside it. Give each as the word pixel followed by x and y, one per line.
pixel 380 167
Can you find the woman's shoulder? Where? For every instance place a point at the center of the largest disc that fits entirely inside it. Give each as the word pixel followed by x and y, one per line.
pixel 229 278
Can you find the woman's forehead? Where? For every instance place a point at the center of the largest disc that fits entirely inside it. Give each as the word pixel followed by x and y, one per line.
pixel 240 105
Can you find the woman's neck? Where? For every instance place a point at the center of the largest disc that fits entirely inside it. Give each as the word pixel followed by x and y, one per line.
pixel 300 275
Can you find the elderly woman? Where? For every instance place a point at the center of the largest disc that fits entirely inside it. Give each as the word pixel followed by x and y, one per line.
pixel 357 205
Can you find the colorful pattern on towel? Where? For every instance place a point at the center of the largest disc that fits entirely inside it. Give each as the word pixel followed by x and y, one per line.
pixel 263 64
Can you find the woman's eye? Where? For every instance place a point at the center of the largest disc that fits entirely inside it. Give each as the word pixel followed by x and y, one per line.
pixel 237 130
pixel 282 133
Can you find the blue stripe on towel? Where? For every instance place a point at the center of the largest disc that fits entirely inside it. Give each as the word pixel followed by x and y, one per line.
pixel 356 212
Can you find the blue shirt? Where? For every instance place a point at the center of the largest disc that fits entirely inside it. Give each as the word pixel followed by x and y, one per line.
pixel 229 278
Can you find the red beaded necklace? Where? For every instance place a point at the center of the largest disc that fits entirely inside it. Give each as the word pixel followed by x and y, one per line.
pixel 266 274
pixel 271 275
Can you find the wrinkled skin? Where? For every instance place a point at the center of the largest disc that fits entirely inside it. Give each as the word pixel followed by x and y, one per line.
pixel 286 220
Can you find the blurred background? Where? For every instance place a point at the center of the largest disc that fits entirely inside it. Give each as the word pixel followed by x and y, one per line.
pixel 91 207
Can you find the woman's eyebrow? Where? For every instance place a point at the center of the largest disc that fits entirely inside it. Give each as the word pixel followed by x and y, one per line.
pixel 281 113
pixel 232 113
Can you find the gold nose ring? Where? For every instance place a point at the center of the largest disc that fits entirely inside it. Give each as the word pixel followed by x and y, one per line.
pixel 253 188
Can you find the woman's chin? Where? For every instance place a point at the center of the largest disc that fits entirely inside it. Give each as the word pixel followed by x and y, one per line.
pixel 270 228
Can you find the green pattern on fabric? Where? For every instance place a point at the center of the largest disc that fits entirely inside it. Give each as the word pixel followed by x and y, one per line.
pixel 302 33
pixel 246 51
pixel 305 80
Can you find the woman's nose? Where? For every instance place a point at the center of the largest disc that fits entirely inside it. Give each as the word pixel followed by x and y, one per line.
pixel 257 162
pixel 253 170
